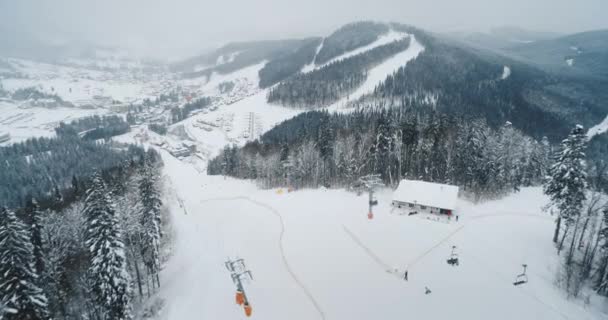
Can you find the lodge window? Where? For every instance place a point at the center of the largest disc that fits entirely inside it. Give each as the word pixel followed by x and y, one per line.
pixel 411 205
pixel 423 207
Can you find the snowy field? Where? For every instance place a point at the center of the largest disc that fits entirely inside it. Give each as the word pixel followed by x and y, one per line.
pixel 23 123
pixel 315 255
pixel 598 129
pixel 80 85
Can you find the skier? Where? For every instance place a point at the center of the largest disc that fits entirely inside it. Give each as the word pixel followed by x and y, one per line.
pixel 427 290
pixel 456 218
pixel 405 275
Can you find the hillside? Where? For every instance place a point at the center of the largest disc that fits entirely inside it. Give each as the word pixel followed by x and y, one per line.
pixel 583 53
pixel 237 55
pixel 502 37
pixel 458 79
pixel 263 145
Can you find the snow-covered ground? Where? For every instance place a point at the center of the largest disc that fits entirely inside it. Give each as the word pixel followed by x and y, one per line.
pixel 81 85
pixel 26 122
pixel 506 72
pixel 315 255
pixel 233 121
pixel 598 129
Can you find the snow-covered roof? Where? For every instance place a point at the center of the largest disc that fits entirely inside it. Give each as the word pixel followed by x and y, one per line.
pixel 427 193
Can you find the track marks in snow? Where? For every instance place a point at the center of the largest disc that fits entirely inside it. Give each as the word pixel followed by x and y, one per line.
pixel 288 267
pixel 367 250
pixel 479 261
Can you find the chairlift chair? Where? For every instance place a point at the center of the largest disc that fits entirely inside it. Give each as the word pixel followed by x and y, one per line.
pixel 521 278
pixel 453 259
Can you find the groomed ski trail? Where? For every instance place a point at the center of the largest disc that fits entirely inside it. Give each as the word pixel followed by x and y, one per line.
pixel 288 267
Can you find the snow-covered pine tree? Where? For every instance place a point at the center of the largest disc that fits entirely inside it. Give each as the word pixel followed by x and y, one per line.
pixel 35 220
pixel 150 221
pixel 382 148
pixel 567 180
pixel 108 264
pixel 20 295
pixel 601 282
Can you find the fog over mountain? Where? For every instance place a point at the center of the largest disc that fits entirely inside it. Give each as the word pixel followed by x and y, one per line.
pixel 184 27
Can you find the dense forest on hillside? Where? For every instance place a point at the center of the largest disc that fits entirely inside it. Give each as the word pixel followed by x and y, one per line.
pixel 243 53
pixel 94 127
pixel 284 66
pixel 455 80
pixel 349 37
pixel 39 165
pixel 318 148
pixel 597 158
pixel 91 250
pixel 326 85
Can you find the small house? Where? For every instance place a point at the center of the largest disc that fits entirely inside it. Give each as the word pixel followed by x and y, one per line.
pixel 422 196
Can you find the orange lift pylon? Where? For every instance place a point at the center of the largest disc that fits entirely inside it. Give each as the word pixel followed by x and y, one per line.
pixel 371 182
pixel 238 272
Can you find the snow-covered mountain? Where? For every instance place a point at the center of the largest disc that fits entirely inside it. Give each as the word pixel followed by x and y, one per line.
pixel 315 253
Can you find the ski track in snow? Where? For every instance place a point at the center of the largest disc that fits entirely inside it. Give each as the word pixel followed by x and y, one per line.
pixel 311 66
pixel 277 214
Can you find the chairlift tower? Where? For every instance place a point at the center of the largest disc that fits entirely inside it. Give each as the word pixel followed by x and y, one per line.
pixel 371 183
pixel 238 273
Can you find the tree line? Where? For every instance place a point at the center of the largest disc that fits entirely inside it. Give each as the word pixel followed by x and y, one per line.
pixel 94 127
pixel 581 225
pixel 284 66
pixel 38 166
pixel 180 113
pixel 95 255
pixel 317 148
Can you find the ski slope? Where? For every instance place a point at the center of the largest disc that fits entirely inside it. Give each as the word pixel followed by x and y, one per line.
pixel 598 129
pixel 315 255
pixel 386 38
pixel 379 73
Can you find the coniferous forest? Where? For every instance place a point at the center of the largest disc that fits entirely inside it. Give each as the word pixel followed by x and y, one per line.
pixel 326 85
pixel 334 150
pixel 89 250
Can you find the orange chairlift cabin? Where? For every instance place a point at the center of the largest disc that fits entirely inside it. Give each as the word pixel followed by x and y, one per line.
pixel 247 308
pixel 240 297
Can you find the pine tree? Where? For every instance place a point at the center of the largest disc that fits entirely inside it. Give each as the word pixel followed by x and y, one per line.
pixel 34 216
pixel 601 285
pixel 19 293
pixel 151 220
pixel 108 265
pixel 566 183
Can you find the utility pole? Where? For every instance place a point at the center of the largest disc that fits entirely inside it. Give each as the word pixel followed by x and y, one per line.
pixel 238 272
pixel 371 182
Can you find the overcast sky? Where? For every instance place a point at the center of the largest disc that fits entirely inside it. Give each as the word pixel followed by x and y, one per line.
pixel 180 27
